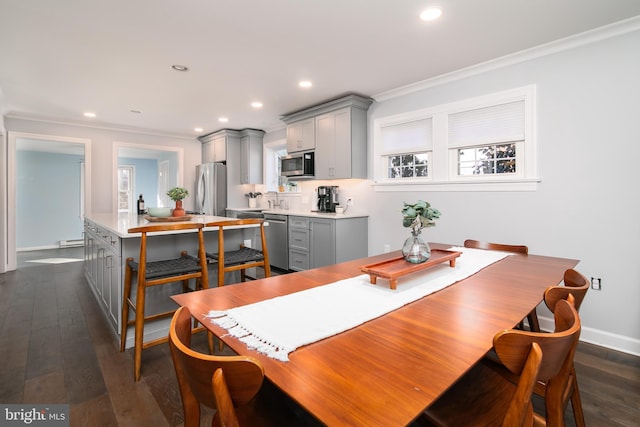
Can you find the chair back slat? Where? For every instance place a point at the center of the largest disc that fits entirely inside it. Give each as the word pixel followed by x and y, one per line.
pixel 476 244
pixel 226 412
pixel 520 411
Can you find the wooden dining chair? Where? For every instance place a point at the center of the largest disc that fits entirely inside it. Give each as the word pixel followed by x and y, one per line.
pixel 243 258
pixel 576 285
pixel 519 249
pixel 486 396
pixel 244 378
pixel 156 273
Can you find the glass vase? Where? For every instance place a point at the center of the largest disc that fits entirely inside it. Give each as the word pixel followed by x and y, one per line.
pixel 416 250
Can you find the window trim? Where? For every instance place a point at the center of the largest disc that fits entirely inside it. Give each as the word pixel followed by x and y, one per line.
pixel 443 159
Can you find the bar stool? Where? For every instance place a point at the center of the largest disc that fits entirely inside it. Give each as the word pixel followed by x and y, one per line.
pixel 156 273
pixel 242 258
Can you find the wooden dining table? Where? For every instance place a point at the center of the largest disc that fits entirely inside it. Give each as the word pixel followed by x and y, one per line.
pixel 387 371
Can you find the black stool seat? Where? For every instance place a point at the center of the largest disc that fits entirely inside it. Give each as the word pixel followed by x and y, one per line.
pixel 240 256
pixel 183 265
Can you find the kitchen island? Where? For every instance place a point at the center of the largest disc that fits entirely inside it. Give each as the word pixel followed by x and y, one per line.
pixel 108 244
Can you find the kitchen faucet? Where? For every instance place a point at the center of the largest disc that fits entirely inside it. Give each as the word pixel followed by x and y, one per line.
pixel 276 203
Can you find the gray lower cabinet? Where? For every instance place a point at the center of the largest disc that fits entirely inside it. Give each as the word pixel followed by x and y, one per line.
pixel 317 242
pixel 102 268
pixel 298 243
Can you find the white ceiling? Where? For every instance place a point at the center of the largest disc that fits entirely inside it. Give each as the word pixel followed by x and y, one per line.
pixel 61 58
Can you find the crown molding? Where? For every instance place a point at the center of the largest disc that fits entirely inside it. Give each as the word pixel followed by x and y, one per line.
pixel 588 37
pixel 100 126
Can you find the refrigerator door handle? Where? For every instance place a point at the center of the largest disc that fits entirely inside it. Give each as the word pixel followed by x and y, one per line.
pixel 201 191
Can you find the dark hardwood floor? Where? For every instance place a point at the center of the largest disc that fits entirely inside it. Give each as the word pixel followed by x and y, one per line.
pixel 56 347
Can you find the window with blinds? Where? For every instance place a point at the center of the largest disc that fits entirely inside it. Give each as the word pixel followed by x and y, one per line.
pixel 485 139
pixel 406 147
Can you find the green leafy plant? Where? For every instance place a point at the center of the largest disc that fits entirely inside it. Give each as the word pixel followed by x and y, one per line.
pixel 177 193
pixel 419 215
pixel 253 195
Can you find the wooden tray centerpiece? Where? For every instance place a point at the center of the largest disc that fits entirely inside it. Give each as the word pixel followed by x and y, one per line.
pixel 393 269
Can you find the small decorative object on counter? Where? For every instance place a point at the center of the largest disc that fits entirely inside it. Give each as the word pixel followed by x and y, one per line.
pixel 140 205
pixel 253 199
pixel 417 216
pixel 177 194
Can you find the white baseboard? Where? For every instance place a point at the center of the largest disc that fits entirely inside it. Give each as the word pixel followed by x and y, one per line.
pixel 601 338
pixel 37 248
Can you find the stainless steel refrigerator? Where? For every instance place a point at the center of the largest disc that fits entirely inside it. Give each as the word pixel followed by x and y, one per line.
pixel 211 189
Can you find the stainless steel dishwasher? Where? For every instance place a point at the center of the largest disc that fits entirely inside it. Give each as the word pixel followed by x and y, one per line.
pixel 277 240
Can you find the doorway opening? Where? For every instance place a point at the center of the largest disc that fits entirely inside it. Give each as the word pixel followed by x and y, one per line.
pixel 48 193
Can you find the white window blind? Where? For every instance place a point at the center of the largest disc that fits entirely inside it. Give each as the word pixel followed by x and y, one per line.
pixel 407 137
pixel 487 125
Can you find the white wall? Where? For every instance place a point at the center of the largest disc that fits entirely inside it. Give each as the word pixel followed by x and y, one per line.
pixel 102 167
pixel 586 206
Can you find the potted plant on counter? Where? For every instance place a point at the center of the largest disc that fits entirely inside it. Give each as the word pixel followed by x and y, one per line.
pixel 253 199
pixel 177 194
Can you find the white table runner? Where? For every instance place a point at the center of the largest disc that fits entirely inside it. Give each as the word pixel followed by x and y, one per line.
pixel 280 325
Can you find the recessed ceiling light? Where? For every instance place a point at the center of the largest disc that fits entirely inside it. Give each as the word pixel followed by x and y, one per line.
pixel 89 114
pixel 223 119
pixel 430 14
pixel 256 104
pixel 198 129
pixel 134 111
pixel 178 67
pixel 305 83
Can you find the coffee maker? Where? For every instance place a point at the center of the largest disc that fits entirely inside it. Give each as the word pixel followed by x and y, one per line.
pixel 327 198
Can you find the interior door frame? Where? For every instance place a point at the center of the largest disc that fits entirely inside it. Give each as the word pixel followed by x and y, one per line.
pixel 10 261
pixel 117 145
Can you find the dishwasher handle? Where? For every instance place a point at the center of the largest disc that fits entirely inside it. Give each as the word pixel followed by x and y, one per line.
pixel 276 219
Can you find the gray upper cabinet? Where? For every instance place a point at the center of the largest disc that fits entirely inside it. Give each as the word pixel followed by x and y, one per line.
pixel 214 149
pixel 240 149
pixel 341 144
pixel 301 136
pixel 340 136
pixel 251 156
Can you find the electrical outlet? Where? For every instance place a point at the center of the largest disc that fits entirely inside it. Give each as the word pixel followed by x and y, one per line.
pixel 596 283
pixel 247 243
pixel 350 201
pixel 387 248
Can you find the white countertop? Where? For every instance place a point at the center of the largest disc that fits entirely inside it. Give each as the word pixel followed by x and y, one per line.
pixel 330 215
pixel 121 223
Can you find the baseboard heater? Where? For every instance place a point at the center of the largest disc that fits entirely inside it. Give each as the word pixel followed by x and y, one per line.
pixel 71 243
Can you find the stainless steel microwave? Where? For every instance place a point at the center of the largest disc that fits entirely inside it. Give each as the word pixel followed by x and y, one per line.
pixel 298 165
